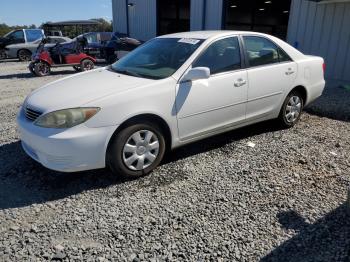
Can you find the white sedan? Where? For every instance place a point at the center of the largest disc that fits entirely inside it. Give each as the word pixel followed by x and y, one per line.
pixel 171 91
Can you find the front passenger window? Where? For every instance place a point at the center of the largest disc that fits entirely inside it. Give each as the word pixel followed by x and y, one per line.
pixel 260 51
pixel 17 36
pixel 221 56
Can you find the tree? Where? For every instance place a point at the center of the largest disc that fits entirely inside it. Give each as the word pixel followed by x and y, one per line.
pixel 4 28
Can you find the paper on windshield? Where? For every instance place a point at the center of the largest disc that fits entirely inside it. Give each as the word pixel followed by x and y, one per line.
pixel 189 41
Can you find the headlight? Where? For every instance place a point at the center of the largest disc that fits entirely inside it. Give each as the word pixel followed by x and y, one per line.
pixel 66 118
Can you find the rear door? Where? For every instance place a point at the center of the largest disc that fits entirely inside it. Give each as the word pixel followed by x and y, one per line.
pixel 271 72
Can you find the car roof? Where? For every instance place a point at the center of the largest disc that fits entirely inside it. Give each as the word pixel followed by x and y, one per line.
pixel 208 34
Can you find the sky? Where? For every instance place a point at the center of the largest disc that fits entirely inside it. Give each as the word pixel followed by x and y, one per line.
pixel 27 12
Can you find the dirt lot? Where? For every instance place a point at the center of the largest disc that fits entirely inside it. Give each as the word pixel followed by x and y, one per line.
pixel 217 200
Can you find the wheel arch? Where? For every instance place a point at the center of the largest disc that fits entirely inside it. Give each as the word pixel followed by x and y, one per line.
pixel 302 90
pixel 141 118
pixel 88 58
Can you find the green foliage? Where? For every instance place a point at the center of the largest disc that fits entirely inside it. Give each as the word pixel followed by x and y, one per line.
pixel 70 31
pixel 4 28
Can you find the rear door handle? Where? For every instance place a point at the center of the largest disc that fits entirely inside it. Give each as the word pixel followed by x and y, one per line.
pixel 240 82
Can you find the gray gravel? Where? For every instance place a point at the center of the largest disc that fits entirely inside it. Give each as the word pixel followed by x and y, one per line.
pixel 215 200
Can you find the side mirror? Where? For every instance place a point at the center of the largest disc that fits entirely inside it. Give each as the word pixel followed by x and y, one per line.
pixel 196 74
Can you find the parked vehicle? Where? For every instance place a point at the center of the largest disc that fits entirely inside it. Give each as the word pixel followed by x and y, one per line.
pixel 95 43
pixel 25 51
pixel 19 36
pixel 108 46
pixel 119 45
pixel 173 90
pixel 59 55
pixel 54 33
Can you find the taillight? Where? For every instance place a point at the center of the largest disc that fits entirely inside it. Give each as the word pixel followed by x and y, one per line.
pixel 324 68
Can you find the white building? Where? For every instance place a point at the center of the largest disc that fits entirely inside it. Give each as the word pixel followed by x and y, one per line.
pixel 314 27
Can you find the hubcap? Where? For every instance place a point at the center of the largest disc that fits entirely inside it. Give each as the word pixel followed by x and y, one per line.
pixel 88 66
pixel 293 109
pixel 141 150
pixel 43 68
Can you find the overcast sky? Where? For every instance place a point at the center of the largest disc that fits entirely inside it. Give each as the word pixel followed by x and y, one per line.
pixel 27 12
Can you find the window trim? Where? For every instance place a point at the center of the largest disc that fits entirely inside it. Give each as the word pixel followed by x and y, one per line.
pixel 248 66
pixel 242 58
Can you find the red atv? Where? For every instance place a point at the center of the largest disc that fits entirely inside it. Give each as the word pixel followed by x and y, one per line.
pixel 59 55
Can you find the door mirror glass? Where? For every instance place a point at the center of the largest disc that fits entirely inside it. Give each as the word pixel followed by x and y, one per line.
pixel 196 74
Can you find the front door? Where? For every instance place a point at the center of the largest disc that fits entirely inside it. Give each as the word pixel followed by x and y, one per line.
pixel 16 37
pixel 206 106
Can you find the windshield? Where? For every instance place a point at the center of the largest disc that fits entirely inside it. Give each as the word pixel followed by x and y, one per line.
pixel 158 58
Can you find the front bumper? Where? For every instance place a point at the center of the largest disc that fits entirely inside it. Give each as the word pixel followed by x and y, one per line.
pixel 67 150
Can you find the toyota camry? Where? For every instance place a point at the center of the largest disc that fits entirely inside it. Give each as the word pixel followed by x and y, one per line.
pixel 171 91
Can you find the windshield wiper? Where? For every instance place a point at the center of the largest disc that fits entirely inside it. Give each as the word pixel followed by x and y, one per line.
pixel 127 72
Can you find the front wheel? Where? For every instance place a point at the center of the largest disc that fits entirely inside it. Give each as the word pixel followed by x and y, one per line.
pixel 42 69
pixel 136 150
pixel 31 67
pixel 291 109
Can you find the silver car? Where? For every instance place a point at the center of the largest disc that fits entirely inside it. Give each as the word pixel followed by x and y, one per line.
pixel 24 51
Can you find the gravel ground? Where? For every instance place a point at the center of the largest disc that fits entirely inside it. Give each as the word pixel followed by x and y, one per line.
pixel 215 200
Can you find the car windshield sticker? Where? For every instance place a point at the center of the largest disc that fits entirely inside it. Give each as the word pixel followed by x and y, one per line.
pixel 189 41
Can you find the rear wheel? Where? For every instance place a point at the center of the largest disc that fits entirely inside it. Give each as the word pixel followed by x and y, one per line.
pixel 41 69
pixel 136 150
pixel 291 109
pixel 24 55
pixel 86 65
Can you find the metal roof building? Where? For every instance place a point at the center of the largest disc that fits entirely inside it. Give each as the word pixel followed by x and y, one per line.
pixel 313 26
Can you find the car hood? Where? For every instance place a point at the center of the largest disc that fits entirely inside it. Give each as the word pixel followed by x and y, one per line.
pixel 80 89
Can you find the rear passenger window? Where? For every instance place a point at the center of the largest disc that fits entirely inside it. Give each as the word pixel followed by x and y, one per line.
pixel 260 51
pixel 33 35
pixel 221 56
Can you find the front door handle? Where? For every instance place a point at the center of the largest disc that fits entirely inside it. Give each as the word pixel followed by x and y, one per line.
pixel 289 72
pixel 240 82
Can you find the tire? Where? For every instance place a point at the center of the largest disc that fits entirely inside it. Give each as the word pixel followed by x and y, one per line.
pixel 42 69
pixel 77 68
pixel 31 68
pixel 86 65
pixel 291 109
pixel 24 55
pixel 123 149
